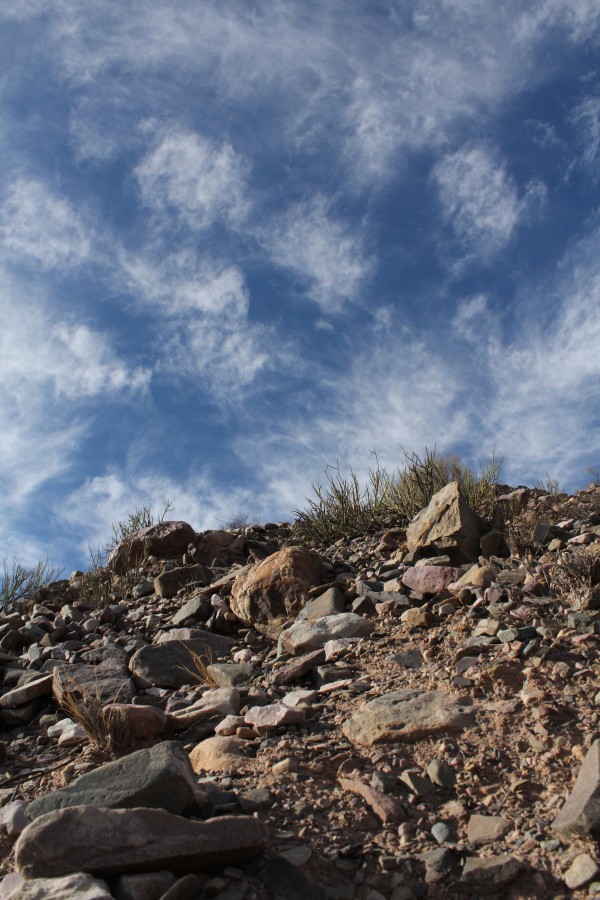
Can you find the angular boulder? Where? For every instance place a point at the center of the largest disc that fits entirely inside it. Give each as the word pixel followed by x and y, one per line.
pixel 109 842
pixel 311 635
pixel 107 682
pixel 274 591
pixel 159 777
pixel 450 524
pixel 165 540
pixel 408 716
pixel 173 664
pixel 580 816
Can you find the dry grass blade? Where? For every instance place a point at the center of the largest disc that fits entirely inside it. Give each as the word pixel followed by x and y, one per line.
pixel 199 668
pixel 575 577
pixel 106 728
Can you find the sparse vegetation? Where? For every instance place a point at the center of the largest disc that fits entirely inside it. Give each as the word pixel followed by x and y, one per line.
pixel 140 518
pixel 344 508
pixel 198 670
pixel 575 577
pixel 105 727
pixel 19 582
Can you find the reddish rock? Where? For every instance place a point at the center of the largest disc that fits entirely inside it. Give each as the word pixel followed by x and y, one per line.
pixel 430 579
pixel 299 667
pixel 139 722
pixel 580 816
pixel 220 754
pixel 386 808
pixel 274 591
pixel 166 540
pixel 274 716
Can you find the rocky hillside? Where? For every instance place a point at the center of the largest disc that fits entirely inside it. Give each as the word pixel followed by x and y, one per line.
pixel 410 713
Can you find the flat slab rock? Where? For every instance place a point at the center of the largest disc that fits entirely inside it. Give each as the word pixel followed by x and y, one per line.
pixel 109 842
pixel 159 776
pixel 409 716
pixel 79 884
pixel 109 681
pixel 311 635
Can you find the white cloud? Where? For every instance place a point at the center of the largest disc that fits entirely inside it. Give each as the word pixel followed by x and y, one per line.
pixel 49 369
pixel 198 180
pixel 480 199
pixel 327 255
pixel 37 225
pixel 201 313
pixel 586 120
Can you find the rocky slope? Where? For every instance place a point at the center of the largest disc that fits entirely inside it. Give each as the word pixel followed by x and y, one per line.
pixel 412 713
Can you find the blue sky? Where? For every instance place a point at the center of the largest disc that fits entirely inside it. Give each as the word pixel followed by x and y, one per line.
pixel 240 240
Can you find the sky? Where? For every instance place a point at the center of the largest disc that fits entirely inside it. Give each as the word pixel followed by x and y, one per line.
pixel 242 240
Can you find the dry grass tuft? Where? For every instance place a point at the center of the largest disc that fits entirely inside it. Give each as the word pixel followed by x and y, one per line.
pixel 198 670
pixel 106 729
pixel 575 577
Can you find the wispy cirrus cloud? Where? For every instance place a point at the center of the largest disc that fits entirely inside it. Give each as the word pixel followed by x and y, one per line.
pixel 39 226
pixel 480 199
pixel 585 118
pixel 51 368
pixel 327 255
pixel 195 179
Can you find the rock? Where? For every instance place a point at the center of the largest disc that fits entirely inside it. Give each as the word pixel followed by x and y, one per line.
pixel 165 540
pixel 418 617
pixel 114 841
pixel 66 887
pixel 408 716
pixel 171 664
pixel 581 871
pixel 304 636
pixel 149 886
pixel 327 604
pixel 411 659
pixel 168 583
pixel 220 754
pixel 274 716
pixel 230 673
pixel 197 607
pixel 274 591
pixel 286 882
pixel 491 872
pixel 429 579
pixel 485 829
pixel 221 702
pixel 477 576
pixel 440 832
pixel 187 888
pixel 448 523
pixel 440 773
pixel 27 692
pixel 386 808
pixel 13 818
pixel 417 784
pixel 218 543
pixel 108 682
pixel 68 733
pixel 438 863
pixel 160 777
pixel 299 667
pixel 137 722
pixel 256 800
pixel 580 816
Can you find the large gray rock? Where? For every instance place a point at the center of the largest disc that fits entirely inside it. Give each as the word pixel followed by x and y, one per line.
pixel 109 842
pixel 408 716
pixel 27 692
pixel 305 635
pixel 274 591
pixel 172 663
pixel 580 816
pixel 159 777
pixel 450 524
pixel 107 682
pixel 165 540
pixel 197 607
